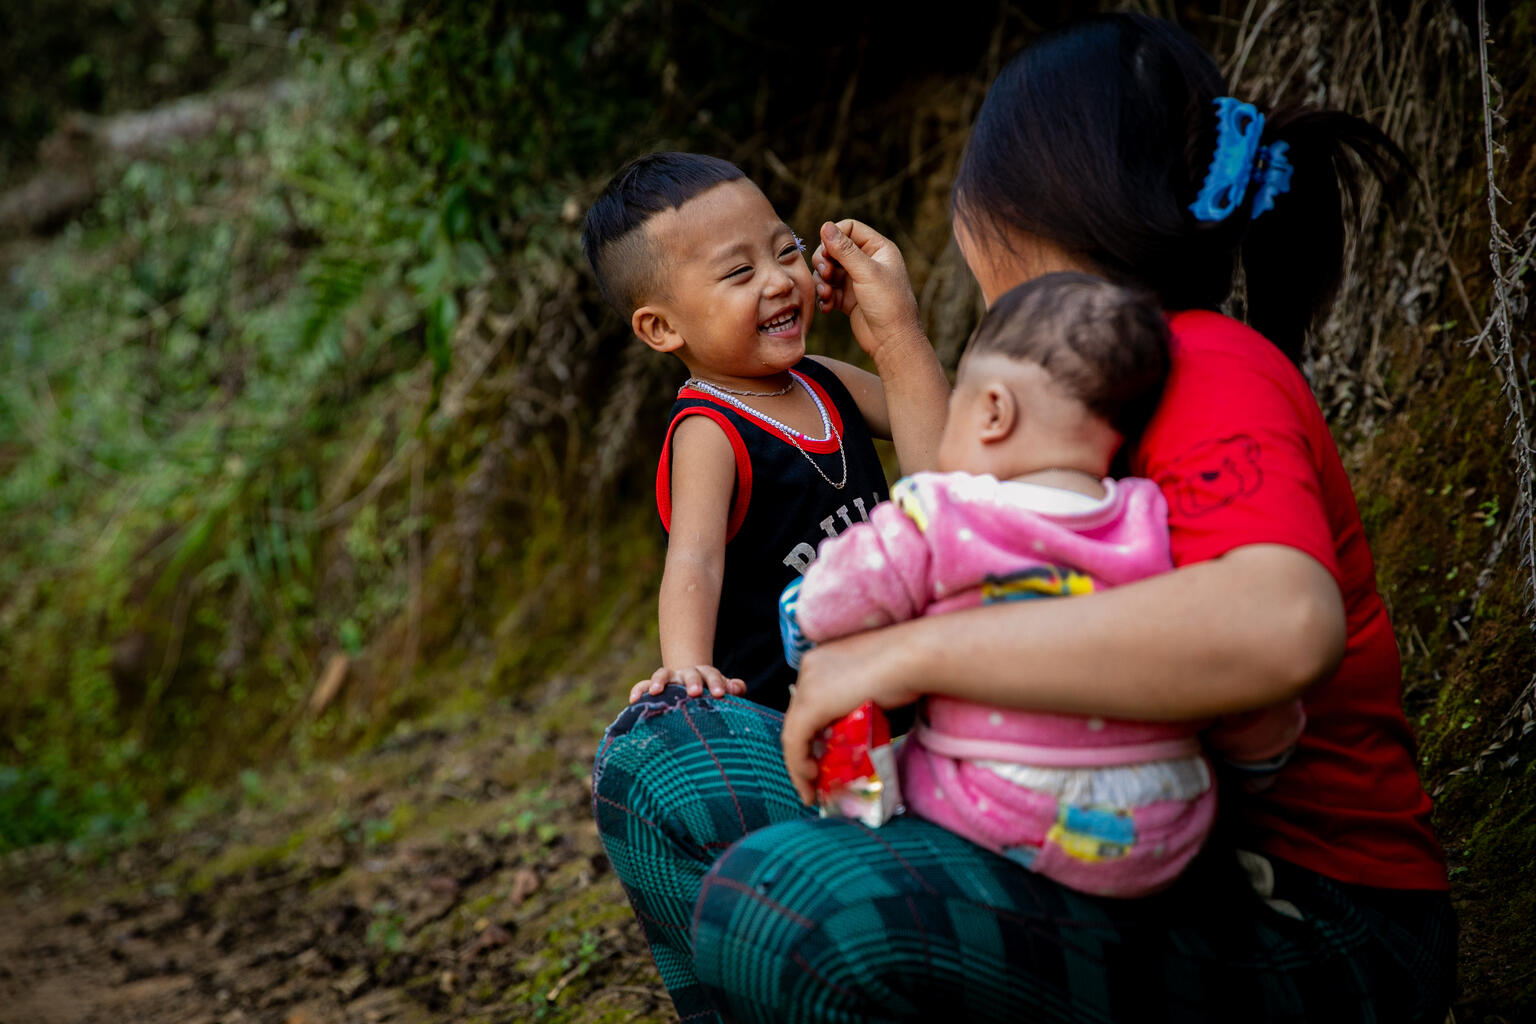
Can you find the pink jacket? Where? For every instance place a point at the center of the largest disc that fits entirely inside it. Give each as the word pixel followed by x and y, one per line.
pixel 954 540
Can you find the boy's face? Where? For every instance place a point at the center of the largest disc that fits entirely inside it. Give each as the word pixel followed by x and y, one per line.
pixel 737 296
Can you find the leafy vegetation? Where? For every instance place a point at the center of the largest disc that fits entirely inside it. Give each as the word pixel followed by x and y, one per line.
pixel 182 375
pixel 97 57
pixel 331 383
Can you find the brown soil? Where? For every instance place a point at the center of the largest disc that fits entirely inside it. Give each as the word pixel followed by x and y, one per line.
pixel 451 874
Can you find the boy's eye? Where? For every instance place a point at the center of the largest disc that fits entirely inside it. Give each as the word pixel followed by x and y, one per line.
pixel 793 248
pixel 745 268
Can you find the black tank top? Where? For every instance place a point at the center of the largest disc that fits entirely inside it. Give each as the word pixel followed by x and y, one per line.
pixel 782 509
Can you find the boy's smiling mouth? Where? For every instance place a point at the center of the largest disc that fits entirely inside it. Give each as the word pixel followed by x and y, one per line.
pixel 782 323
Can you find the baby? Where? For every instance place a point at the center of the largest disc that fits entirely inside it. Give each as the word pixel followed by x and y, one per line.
pixel 1060 374
pixel 767 451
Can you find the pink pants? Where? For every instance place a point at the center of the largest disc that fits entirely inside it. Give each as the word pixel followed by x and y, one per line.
pixel 1106 851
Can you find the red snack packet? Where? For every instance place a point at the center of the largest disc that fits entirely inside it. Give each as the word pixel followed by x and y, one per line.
pixel 856 768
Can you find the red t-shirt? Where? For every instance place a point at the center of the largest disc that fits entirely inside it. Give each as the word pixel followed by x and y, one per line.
pixel 1244 456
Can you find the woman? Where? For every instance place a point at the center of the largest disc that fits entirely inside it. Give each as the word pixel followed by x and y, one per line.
pixel 1106 147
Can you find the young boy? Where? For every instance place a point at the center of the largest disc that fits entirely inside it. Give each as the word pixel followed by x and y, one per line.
pixel 768 452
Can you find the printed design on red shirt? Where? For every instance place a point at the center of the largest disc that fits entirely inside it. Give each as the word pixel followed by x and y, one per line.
pixel 1213 475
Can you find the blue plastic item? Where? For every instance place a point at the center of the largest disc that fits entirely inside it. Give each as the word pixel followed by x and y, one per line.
pixel 1238 127
pixel 1273 176
pixel 795 643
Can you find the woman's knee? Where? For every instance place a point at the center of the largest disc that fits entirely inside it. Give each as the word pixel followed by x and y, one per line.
pixel 703 771
pixel 631 772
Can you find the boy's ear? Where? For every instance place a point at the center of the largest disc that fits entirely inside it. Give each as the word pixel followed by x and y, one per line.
pixel 1000 413
pixel 651 326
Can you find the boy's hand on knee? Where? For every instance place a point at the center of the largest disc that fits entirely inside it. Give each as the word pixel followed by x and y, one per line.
pixel 695 680
pixel 706 677
pixel 650 687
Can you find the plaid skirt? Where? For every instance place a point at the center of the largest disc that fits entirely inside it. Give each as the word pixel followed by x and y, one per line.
pixel 756 910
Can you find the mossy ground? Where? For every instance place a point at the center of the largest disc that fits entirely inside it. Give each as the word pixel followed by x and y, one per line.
pixel 1436 487
pixel 451 873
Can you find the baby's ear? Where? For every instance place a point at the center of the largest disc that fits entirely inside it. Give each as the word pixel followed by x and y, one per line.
pixel 999 413
pixel 652 327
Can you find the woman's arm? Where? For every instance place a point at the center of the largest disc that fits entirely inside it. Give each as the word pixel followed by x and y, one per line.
pixel 1252 628
pixel 862 273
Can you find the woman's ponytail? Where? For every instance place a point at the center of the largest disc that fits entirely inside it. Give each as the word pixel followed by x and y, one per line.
pixel 1100 137
pixel 1293 255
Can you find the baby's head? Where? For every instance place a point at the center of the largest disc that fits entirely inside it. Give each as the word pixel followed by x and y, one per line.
pixel 691 251
pixel 1059 374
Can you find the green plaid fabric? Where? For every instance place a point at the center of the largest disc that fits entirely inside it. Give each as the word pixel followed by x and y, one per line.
pixel 676 782
pixel 757 910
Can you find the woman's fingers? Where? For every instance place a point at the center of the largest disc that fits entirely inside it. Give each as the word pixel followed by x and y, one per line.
pixel 836 677
pixel 860 249
pixel 832 682
pixel 796 737
pixel 844 252
pixel 869 283
pixel 831 281
pixel 829 298
pixel 825 268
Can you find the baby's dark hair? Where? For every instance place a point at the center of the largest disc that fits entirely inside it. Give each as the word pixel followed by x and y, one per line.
pixel 625 265
pixel 1098 136
pixel 1106 344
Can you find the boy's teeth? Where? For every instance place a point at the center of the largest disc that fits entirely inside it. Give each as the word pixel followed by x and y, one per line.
pixel 783 321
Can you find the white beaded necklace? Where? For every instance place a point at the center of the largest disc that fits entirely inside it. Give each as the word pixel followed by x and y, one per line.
pixel 716 388
pixel 795 436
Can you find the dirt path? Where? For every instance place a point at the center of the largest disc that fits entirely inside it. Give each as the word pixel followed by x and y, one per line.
pixel 452 874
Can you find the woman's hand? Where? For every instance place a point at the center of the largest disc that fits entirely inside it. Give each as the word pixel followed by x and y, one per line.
pixel 860 272
pixel 835 678
pixel 1253 628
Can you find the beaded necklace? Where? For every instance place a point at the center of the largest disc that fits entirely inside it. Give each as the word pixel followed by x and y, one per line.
pixel 795 437
pixel 714 388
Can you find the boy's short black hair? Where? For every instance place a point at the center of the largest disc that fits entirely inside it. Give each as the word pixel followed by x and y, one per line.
pixel 1105 343
pixel 624 264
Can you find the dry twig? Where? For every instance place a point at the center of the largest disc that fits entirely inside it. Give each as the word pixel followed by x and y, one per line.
pixel 1501 330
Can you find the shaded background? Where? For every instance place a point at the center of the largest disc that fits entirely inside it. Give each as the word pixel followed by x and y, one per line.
pixel 329 541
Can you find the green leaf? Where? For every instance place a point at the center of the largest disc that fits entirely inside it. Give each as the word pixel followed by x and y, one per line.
pixel 442 317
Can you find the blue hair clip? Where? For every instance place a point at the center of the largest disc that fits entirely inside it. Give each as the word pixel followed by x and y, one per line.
pixel 1273 176
pixel 1238 127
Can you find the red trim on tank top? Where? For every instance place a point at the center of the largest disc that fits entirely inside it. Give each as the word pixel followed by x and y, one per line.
pixel 743 495
pixel 805 443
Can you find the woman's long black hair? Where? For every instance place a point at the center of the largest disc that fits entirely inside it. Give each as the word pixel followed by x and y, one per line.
pixel 1098 136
